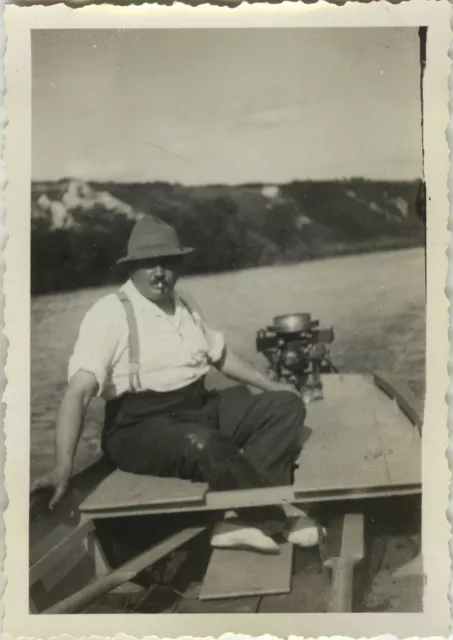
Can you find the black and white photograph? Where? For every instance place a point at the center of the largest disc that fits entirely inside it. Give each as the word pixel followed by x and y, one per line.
pixel 261 437
pixel 228 340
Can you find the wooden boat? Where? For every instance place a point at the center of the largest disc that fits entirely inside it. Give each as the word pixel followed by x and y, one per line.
pixel 362 445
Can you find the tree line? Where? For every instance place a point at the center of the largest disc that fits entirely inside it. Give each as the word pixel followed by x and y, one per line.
pixel 230 228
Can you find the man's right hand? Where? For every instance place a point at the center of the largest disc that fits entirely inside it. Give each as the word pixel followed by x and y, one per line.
pixel 58 481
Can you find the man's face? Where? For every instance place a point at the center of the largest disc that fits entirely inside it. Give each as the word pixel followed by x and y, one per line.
pixel 155 278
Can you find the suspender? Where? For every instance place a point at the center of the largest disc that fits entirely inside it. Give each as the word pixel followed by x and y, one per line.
pixel 134 343
pixel 134 340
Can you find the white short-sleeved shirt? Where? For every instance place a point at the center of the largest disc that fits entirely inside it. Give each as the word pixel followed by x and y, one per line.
pixel 174 351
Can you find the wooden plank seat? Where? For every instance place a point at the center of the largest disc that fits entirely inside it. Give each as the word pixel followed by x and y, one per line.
pixel 124 490
pixel 358 444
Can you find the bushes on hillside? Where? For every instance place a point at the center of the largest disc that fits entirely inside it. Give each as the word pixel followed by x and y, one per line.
pixel 230 228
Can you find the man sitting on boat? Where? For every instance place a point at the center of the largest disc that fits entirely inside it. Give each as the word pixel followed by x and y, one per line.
pixel 146 350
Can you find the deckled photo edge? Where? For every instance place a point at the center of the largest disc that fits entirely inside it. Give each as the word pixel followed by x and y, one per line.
pixel 16 303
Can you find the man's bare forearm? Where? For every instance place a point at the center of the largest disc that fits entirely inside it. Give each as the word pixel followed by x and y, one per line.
pixel 71 417
pixel 82 387
pixel 68 429
pixel 234 366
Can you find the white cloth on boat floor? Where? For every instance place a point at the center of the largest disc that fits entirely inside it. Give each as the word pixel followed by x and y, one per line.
pixel 304 532
pixel 232 534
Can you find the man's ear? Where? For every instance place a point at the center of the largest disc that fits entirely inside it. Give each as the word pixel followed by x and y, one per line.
pixel 131 269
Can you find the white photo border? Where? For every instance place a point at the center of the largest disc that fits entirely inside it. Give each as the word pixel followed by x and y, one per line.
pixel 435 619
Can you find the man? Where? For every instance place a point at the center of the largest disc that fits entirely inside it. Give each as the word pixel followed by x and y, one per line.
pixel 147 351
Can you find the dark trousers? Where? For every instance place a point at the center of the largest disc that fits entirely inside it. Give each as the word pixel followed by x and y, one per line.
pixel 229 439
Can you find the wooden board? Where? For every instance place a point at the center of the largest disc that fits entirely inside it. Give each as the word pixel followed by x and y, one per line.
pixel 234 501
pixel 400 441
pixel 191 603
pixel 233 573
pixel 343 450
pixel 63 567
pixel 356 442
pixel 408 402
pixel 123 490
pixel 48 552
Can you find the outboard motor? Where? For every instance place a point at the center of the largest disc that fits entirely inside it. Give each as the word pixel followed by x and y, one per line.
pixel 296 348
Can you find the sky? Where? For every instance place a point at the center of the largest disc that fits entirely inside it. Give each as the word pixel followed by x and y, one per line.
pixel 205 106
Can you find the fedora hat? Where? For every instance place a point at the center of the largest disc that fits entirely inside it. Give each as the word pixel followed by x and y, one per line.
pixel 153 238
